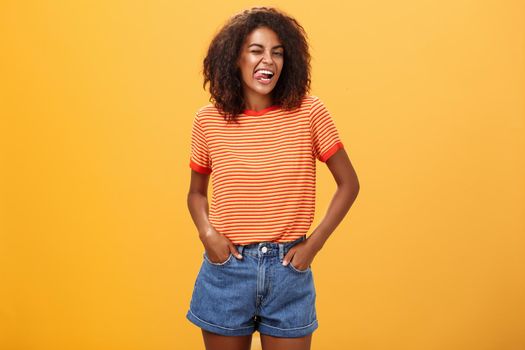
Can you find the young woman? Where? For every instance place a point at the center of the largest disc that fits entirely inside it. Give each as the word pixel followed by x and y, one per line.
pixel 259 140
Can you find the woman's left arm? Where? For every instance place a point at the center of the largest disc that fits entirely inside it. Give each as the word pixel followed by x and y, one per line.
pixel 347 190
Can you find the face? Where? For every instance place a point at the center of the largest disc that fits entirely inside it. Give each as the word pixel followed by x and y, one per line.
pixel 261 55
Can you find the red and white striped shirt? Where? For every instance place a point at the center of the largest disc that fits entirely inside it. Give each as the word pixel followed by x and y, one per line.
pixel 263 169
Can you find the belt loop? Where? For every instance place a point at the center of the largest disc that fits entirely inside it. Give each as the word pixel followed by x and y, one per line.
pixel 281 252
pixel 240 248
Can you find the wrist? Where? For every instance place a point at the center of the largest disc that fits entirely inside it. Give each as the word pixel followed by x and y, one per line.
pixel 316 241
pixel 203 234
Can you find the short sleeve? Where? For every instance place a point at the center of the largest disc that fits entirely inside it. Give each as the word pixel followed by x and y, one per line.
pixel 199 156
pixel 325 137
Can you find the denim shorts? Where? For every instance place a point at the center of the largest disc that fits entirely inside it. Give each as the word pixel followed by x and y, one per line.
pixel 239 296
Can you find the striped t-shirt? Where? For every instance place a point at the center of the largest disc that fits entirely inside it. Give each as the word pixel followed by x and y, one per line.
pixel 263 169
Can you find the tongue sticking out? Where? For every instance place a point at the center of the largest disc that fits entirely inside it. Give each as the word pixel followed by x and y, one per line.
pixel 259 75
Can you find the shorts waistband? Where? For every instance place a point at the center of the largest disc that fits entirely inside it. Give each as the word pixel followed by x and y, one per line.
pixel 268 248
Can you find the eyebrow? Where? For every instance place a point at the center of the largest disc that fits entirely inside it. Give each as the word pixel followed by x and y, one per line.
pixel 275 47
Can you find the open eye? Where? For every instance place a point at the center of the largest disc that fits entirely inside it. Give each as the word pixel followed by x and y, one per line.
pixel 278 53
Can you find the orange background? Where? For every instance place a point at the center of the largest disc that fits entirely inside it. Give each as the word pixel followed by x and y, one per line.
pixel 97 246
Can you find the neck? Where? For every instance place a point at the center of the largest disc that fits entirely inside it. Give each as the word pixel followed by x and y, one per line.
pixel 257 102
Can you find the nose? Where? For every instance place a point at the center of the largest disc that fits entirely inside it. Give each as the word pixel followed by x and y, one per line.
pixel 267 57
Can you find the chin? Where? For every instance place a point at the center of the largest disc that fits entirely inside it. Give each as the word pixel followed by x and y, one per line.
pixel 263 91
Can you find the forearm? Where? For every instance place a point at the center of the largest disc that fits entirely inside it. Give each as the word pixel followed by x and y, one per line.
pixel 199 210
pixel 341 202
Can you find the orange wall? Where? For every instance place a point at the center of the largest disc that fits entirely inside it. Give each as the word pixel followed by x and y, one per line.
pixel 97 247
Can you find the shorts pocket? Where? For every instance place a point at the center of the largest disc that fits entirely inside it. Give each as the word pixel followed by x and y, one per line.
pixel 207 259
pixel 297 270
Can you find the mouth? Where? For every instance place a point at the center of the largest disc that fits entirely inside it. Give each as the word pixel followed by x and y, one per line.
pixel 263 75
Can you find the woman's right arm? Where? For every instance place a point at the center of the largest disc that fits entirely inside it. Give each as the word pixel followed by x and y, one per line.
pixel 216 244
pixel 198 203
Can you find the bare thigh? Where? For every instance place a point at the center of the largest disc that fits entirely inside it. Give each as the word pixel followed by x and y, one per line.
pixel 214 341
pixel 276 343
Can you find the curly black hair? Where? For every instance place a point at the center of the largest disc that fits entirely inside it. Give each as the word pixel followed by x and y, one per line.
pixel 224 76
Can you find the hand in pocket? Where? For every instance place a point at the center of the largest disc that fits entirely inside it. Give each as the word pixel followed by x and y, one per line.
pixel 218 247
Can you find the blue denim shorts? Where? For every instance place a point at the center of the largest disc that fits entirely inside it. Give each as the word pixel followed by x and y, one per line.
pixel 255 293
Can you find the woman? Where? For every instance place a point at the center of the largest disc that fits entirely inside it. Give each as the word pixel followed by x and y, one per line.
pixel 259 140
